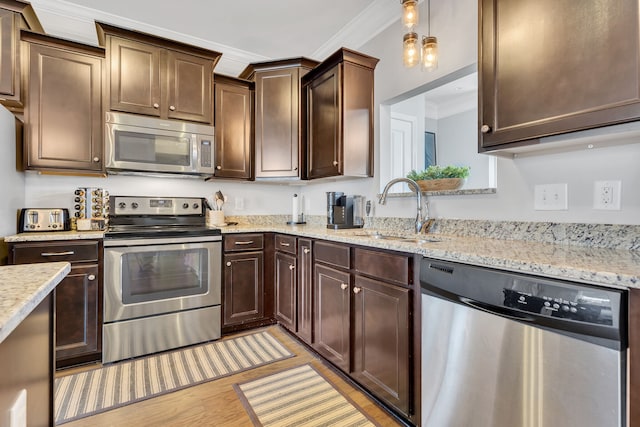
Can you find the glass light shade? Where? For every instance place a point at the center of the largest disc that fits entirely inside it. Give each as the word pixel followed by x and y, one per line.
pixel 409 13
pixel 429 53
pixel 410 50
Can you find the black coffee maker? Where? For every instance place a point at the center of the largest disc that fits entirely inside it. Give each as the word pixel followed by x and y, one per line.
pixel 344 211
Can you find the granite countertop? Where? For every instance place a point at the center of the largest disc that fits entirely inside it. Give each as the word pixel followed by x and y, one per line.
pixel 23 287
pixel 612 267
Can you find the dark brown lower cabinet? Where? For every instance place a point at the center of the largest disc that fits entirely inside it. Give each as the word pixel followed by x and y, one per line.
pixel 77 298
pixel 285 284
pixel 304 290
pixel 332 323
pixel 381 328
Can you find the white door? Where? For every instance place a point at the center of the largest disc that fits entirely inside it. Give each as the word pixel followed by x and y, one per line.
pixel 404 144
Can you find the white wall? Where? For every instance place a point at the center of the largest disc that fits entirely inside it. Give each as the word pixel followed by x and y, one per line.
pixel 12 185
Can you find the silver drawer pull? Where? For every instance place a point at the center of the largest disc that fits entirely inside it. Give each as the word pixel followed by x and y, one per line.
pixel 343 286
pixel 249 242
pixel 228 263
pixel 91 277
pixel 356 290
pixel 285 244
pixel 57 253
pixel 306 250
pixel 291 266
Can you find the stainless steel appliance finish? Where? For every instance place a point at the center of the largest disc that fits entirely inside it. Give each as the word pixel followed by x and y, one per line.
pixel 344 211
pixel 162 276
pixel 503 349
pixel 147 145
pixel 43 219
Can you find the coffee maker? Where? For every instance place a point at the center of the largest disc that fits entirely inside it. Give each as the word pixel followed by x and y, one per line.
pixel 344 211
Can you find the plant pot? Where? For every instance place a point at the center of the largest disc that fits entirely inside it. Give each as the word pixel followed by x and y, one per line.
pixel 440 184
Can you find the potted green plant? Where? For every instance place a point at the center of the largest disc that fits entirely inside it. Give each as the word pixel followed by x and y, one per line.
pixel 438 178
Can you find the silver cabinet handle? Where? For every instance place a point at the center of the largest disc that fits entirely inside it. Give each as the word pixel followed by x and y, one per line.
pixel 356 290
pixel 228 263
pixel 335 163
pixel 248 242
pixel 285 244
pixel 218 167
pixel 57 253
pixel 91 277
pixel 96 159
pixel 306 250
pixel 291 266
pixel 172 108
pixel 156 105
pixel 343 286
pixel 485 128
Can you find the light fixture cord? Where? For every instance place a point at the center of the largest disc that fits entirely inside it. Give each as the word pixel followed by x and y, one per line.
pixel 429 17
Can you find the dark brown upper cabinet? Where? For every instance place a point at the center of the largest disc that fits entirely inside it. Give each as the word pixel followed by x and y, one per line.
pixel 549 67
pixel 63 107
pixel 234 127
pixel 158 77
pixel 14 16
pixel 338 124
pixel 278 110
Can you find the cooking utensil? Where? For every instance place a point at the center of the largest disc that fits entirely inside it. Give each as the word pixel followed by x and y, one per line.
pixel 219 200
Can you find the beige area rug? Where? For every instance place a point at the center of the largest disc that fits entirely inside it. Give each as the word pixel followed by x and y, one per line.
pixel 299 397
pixel 91 392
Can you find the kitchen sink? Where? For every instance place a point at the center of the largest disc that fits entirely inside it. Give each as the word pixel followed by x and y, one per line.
pixel 399 237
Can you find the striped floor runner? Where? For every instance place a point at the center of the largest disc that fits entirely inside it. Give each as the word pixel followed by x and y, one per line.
pixel 91 392
pixel 298 397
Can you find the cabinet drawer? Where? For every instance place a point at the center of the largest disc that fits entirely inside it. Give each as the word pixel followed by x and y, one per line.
pixel 243 242
pixel 383 265
pixel 333 254
pixel 286 243
pixel 28 253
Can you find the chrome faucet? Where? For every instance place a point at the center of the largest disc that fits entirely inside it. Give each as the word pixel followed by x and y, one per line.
pixel 423 223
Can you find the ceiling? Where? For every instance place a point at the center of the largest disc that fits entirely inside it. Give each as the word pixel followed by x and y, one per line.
pixel 243 31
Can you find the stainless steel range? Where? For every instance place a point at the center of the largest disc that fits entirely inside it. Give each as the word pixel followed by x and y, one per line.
pixel 162 276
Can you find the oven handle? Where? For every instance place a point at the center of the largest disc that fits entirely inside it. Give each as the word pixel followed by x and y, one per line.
pixel 160 241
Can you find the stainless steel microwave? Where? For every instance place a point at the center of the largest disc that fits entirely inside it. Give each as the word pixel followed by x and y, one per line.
pixel 148 145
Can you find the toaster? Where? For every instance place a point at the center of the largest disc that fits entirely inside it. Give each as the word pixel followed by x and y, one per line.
pixel 43 219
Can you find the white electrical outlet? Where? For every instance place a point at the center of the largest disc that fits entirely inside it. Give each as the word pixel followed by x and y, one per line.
pixel 239 203
pixel 607 195
pixel 550 197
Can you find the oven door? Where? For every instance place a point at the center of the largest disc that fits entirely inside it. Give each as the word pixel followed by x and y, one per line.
pixel 145 277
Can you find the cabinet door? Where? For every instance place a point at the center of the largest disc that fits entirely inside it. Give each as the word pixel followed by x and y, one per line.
pixel 381 340
pixel 332 313
pixel 78 322
pixel 277 123
pixel 324 140
pixel 64 110
pixel 243 287
pixel 549 83
pixel 305 291
pixel 285 283
pixel 190 80
pixel 9 81
pixel 233 131
pixel 135 77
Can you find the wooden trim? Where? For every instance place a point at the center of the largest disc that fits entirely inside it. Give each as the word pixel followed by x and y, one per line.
pixel 33 37
pixel 340 56
pixel 224 79
pixel 302 62
pixel 633 408
pixel 27 12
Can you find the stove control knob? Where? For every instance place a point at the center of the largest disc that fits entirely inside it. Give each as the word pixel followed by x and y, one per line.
pixel 196 206
pixel 185 205
pixel 134 205
pixel 122 205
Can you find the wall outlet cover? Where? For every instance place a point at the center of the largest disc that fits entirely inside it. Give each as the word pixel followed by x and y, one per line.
pixel 607 195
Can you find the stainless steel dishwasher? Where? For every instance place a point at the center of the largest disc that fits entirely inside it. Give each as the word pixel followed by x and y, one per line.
pixel 502 349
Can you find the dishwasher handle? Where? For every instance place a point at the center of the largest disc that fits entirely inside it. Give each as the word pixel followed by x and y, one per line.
pixel 499 311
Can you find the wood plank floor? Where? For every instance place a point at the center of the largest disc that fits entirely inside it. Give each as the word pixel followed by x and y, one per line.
pixel 215 403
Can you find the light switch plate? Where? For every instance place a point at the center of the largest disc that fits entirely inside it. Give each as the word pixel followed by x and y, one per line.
pixel 550 197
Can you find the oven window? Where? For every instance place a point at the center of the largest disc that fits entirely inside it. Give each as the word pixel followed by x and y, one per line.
pixel 151 148
pixel 162 274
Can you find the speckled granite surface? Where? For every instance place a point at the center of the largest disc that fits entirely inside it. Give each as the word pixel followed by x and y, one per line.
pixel 54 235
pixel 23 287
pixel 593 253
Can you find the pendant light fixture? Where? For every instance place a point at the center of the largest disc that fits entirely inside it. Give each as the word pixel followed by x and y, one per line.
pixel 409 13
pixel 429 50
pixel 413 51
